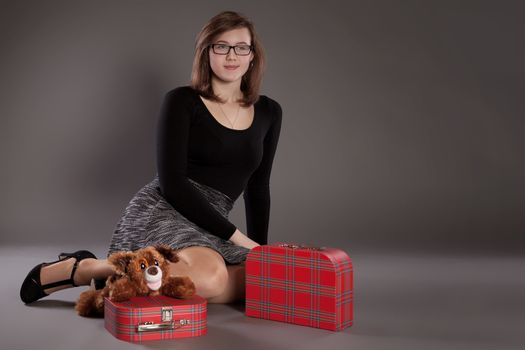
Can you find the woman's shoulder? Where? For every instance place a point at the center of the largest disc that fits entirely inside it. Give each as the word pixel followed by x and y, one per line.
pixel 181 96
pixel 272 105
pixel 183 91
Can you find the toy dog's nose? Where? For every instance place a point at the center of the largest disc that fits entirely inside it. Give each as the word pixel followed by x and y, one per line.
pixel 153 275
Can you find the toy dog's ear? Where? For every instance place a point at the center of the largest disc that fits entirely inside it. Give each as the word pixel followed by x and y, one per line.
pixel 167 252
pixel 121 261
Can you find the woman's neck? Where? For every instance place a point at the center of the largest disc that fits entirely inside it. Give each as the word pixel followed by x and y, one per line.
pixel 228 91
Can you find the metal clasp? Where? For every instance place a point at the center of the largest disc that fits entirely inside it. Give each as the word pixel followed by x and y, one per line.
pixel 166 314
pixel 298 246
pixel 287 245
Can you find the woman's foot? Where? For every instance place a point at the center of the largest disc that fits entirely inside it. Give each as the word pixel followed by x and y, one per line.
pixel 46 278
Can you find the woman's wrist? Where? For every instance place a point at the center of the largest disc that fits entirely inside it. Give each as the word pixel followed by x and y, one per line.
pixel 240 239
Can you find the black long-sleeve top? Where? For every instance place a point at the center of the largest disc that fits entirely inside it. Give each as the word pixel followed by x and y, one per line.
pixel 191 143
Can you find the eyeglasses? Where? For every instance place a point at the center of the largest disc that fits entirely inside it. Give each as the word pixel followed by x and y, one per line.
pixel 223 49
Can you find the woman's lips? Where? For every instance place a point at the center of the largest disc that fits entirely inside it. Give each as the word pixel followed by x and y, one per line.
pixel 231 67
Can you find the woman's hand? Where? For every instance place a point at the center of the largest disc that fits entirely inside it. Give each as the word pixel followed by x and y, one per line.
pixel 240 239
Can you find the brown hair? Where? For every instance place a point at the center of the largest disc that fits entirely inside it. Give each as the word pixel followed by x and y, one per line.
pixel 201 71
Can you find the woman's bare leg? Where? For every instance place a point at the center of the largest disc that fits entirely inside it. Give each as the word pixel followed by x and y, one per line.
pixel 87 269
pixel 235 289
pixel 214 280
pixel 94 269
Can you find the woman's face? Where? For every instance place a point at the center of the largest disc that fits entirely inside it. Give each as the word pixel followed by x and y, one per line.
pixel 219 63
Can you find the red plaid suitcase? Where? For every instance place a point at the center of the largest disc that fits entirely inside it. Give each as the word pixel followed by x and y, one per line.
pixel 153 318
pixel 307 286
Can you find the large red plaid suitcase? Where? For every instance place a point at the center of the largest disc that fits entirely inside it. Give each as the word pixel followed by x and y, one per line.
pixel 309 286
pixel 154 318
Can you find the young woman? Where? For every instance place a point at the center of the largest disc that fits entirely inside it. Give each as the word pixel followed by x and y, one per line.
pixel 216 139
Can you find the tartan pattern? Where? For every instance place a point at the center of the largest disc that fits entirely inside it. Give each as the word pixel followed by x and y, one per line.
pixel 121 319
pixel 301 286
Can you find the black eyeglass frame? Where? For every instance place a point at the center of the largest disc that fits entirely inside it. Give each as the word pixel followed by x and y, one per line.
pixel 229 48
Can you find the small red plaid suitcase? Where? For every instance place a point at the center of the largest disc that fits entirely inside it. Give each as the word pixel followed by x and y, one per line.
pixel 153 318
pixel 308 286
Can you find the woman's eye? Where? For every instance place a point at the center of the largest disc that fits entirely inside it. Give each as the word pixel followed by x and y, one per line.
pixel 142 266
pixel 221 47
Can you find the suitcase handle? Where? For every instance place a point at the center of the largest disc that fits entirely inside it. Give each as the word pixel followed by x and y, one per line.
pixel 300 246
pixel 150 326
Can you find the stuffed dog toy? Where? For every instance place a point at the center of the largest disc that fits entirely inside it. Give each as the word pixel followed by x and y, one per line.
pixel 144 272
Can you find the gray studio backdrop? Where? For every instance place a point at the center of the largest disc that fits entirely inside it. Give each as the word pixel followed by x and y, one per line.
pixel 402 120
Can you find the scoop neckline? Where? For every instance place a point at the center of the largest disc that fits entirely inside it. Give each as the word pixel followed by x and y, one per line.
pixel 224 126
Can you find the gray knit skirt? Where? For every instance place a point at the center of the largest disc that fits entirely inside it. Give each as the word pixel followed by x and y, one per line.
pixel 149 220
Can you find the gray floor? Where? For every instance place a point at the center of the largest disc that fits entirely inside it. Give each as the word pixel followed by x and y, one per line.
pixel 402 301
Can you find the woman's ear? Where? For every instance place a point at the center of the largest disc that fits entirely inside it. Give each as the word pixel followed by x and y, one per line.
pixel 121 261
pixel 168 253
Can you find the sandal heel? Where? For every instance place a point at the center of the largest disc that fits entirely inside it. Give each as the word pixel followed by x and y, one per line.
pixel 32 288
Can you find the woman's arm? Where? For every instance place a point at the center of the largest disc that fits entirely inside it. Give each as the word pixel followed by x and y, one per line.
pixel 257 192
pixel 172 156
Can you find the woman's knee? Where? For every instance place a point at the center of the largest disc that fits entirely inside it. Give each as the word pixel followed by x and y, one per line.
pixel 207 269
pixel 213 281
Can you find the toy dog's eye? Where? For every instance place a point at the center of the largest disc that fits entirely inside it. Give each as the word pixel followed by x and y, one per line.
pixel 142 266
pixel 156 263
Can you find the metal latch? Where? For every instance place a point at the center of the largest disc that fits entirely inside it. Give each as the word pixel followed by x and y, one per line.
pixel 150 326
pixel 166 324
pixel 167 314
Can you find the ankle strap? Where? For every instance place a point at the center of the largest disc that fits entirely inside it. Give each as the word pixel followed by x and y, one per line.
pixel 73 274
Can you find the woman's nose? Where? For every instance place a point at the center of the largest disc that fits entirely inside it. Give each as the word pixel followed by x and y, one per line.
pixel 231 53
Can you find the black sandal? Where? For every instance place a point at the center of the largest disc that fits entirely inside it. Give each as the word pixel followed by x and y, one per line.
pixel 32 289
